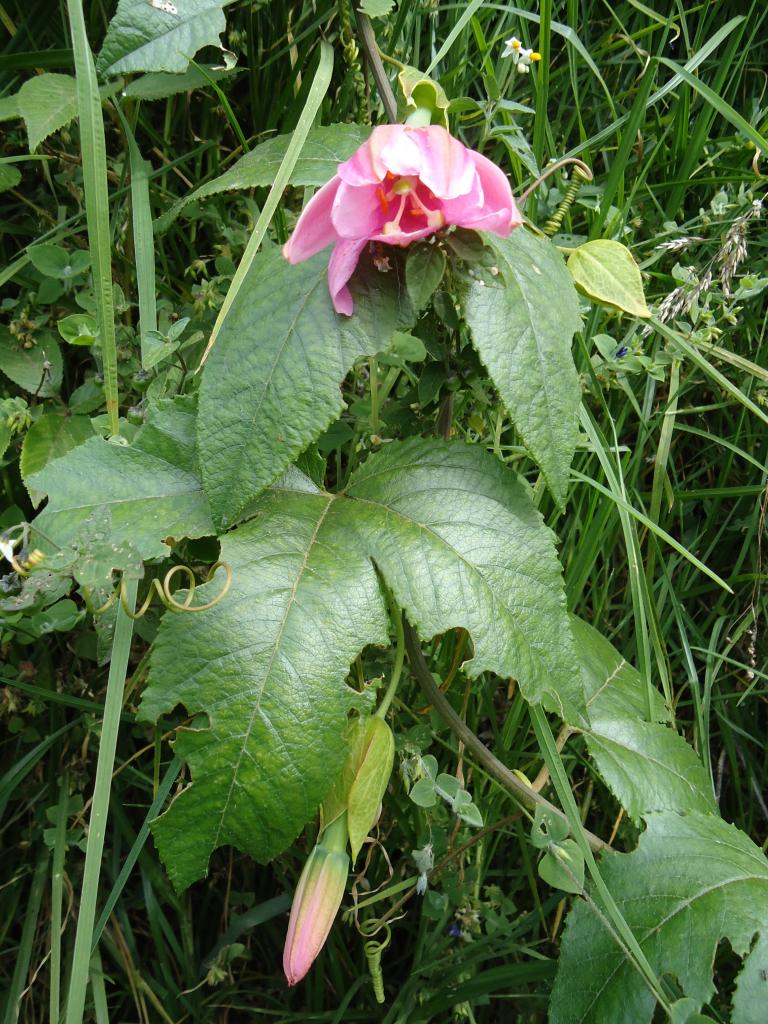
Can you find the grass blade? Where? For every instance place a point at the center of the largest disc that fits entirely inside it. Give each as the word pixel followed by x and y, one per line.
pixel 24 952
pixel 315 96
pixel 94 156
pixel 133 854
pixel 121 647
pixel 57 894
pixel 143 237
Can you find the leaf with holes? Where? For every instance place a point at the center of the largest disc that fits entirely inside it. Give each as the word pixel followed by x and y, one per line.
pixel 456 537
pixel 159 35
pixel 692 881
pixel 522 327
pixel 325 148
pixel 289 368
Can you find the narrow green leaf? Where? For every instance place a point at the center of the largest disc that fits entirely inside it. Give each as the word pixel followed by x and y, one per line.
pixel 721 106
pixel 317 91
pixel 154 35
pixel 606 272
pixel 94 156
pixel 110 724
pixel 143 240
pixel 692 881
pixel 522 330
pixel 160 85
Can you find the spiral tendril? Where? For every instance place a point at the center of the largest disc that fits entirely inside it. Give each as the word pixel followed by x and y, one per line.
pixel 163 592
pixel 373 950
pixel 554 222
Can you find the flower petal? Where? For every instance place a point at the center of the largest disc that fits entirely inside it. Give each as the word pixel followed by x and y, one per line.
pixel 402 237
pixel 447 168
pixel 499 212
pixel 358 211
pixel 401 155
pixel 314 229
pixel 340 268
pixel 366 167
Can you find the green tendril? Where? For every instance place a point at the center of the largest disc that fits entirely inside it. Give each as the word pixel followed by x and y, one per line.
pixel 163 592
pixel 373 950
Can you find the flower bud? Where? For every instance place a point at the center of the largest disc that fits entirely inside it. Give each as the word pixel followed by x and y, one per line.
pixel 317 899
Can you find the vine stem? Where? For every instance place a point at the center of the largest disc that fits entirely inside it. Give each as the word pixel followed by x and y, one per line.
pixel 368 43
pixel 461 730
pixel 585 171
pixel 397 668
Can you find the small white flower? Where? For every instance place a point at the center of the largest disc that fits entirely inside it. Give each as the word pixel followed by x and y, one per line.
pixel 522 58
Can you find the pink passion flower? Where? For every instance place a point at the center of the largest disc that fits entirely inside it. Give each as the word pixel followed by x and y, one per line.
pixel 401 185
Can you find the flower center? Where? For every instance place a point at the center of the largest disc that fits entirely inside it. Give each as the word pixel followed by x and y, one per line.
pixel 405 188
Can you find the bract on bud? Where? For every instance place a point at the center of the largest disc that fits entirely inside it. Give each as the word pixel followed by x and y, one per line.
pixel 317 900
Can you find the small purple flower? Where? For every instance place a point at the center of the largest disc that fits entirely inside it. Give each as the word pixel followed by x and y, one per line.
pixel 621 352
pixel 454 931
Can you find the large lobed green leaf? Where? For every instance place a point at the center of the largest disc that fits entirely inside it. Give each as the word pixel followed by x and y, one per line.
pixel 147 491
pixel 271 383
pixel 159 36
pixel 456 537
pixel 692 881
pixel 647 765
pixel 326 147
pixel 267 667
pixel 522 330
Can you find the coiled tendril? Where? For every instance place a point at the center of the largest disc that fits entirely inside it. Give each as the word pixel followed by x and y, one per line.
pixel 373 950
pixel 163 592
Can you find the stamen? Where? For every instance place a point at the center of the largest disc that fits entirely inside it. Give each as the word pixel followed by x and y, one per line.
pixel 435 218
pixel 383 199
pixel 394 225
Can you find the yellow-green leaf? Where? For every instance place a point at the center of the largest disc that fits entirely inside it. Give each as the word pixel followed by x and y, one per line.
pixel 606 272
